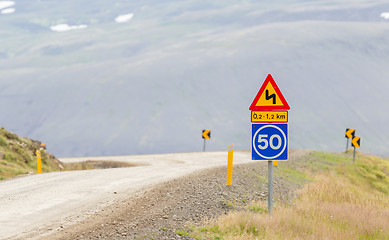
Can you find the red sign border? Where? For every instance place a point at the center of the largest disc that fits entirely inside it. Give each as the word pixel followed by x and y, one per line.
pixel 268 79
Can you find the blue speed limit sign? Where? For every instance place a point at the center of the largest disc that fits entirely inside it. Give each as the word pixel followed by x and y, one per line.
pixel 269 142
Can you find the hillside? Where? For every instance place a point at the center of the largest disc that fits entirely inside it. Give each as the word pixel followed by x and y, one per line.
pixel 150 84
pixel 18 156
pixel 343 200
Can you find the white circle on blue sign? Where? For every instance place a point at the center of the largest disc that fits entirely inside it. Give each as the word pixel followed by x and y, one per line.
pixel 270 141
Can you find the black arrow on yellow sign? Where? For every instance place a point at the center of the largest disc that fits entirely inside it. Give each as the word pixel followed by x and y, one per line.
pixel 206 135
pixel 350 133
pixel 355 142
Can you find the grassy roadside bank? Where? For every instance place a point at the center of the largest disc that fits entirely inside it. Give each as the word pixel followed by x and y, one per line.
pixel 341 200
pixel 18 156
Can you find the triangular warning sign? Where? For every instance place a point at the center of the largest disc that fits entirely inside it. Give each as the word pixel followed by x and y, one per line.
pixel 269 97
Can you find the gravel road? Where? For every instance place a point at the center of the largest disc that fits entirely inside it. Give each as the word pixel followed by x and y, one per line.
pixel 151 201
pixel 32 205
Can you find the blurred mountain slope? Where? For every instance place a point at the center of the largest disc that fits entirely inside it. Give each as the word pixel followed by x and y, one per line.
pixel 152 84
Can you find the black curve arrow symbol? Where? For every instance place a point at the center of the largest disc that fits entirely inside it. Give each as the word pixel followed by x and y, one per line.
pixel 270 97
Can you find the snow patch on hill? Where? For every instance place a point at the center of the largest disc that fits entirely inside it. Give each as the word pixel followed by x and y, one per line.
pixel 8 11
pixel 6 4
pixel 385 15
pixel 124 18
pixel 66 27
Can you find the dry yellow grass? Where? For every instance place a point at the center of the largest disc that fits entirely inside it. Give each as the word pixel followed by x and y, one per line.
pixel 339 204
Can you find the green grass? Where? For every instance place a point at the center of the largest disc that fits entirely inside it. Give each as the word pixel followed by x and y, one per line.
pixel 182 233
pixel 262 178
pixel 293 175
pixel 257 209
pixel 3 141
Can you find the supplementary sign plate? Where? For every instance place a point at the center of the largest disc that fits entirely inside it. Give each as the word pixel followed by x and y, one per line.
pixel 269 116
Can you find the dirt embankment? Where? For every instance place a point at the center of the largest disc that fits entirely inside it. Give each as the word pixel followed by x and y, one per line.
pixel 18 156
pixel 159 212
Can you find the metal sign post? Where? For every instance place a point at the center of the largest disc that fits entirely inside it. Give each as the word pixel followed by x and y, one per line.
pixel 270 187
pixel 269 117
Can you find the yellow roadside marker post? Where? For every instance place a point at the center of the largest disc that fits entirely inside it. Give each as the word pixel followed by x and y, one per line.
pixel 275 163
pixel 230 164
pixel 39 161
